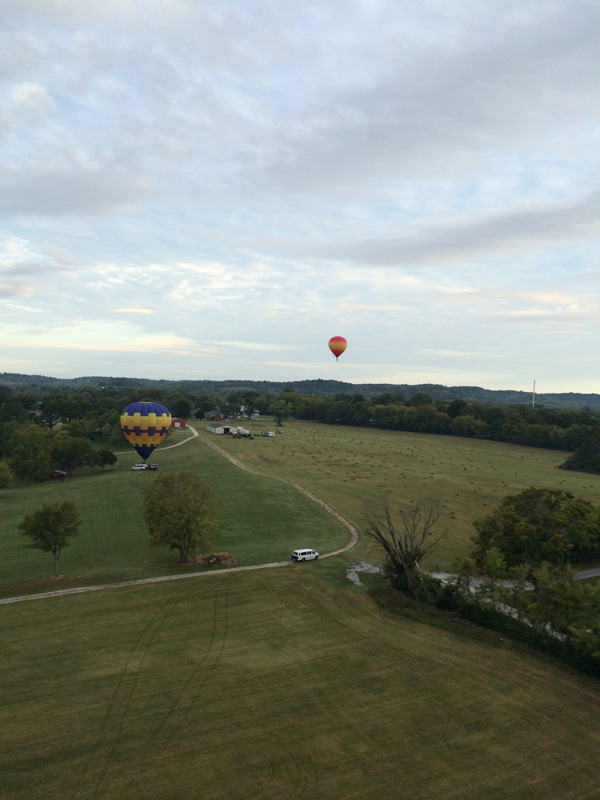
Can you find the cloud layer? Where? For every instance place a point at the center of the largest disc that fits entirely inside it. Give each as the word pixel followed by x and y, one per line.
pixel 212 190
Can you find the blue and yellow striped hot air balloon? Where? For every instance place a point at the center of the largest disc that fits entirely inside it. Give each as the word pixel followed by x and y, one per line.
pixel 145 425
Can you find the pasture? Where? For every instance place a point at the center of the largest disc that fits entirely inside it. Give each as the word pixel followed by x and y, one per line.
pixel 273 684
pixel 355 468
pixel 286 682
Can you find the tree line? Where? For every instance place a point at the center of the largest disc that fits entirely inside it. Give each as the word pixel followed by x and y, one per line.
pixel 537 426
pixel 93 413
pixel 318 387
pixel 41 431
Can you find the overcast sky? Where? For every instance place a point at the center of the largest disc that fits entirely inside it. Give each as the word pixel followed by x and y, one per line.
pixel 211 189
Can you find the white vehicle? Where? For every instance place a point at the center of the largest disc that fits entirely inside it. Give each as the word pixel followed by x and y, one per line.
pixel 304 555
pixel 140 466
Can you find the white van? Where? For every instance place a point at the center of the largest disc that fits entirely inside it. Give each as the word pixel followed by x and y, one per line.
pixel 304 555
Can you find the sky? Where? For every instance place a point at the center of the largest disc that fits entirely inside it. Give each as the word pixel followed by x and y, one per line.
pixel 211 189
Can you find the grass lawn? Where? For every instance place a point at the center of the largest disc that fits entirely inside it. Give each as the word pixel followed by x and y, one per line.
pixel 279 684
pixel 260 520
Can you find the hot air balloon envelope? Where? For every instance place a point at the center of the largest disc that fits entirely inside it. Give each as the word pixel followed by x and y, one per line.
pixel 337 345
pixel 145 425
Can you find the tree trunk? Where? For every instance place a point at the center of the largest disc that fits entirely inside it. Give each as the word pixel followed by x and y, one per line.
pixel 182 556
pixel 56 557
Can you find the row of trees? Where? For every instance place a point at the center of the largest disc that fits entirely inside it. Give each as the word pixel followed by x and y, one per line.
pixel 519 424
pixel 31 452
pixel 523 550
pixel 99 406
pixel 94 411
pixel 178 511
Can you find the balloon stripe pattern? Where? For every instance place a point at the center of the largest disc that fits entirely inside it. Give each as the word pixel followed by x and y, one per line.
pixel 337 345
pixel 145 425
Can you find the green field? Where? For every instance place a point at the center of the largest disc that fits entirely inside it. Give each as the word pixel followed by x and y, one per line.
pixel 278 684
pixel 260 520
pixel 289 682
pixel 352 468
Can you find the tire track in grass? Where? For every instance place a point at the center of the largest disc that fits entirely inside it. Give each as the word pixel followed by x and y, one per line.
pixel 184 692
pixel 178 701
pixel 139 651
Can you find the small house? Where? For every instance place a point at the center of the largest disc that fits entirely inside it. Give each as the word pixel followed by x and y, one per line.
pixel 59 474
pixel 215 416
pixel 177 423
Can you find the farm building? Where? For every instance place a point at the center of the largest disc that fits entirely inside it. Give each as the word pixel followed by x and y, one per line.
pixel 215 416
pixel 225 429
pixel 59 474
pixel 216 427
pixel 177 423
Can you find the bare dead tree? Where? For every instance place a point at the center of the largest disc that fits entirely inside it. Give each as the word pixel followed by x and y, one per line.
pixel 407 537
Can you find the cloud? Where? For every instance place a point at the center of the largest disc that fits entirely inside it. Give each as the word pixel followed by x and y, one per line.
pixel 236 180
pixel 261 346
pixel 133 311
pixel 493 236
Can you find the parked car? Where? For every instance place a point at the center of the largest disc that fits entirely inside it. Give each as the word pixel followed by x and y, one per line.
pixel 304 555
pixel 140 466
pixel 152 466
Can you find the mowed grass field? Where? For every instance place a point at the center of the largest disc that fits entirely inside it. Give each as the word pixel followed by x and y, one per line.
pixel 260 520
pixel 287 682
pixel 278 684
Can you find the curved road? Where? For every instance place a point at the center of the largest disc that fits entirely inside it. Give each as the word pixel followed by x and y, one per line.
pixel 162 578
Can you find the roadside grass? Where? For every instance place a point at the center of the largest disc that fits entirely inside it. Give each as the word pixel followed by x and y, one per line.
pixel 259 519
pixel 353 469
pixel 277 684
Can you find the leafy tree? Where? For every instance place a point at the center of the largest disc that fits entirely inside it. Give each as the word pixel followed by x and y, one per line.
pixel 494 569
pixel 80 428
pixel 73 452
pixel 5 475
pixel 456 407
pixel 407 537
pixel 463 570
pixel 51 528
pixel 178 511
pixel 586 457
pixel 56 405
pixel 281 410
pixel 538 525
pixel 419 399
pixel 557 601
pixel 105 457
pixel 30 457
pixel 181 407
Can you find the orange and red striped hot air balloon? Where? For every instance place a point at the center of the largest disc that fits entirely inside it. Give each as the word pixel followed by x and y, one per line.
pixel 337 345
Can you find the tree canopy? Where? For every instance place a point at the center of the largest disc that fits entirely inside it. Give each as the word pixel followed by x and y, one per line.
pixel 178 511
pixel 539 525
pixel 51 528
pixel 30 457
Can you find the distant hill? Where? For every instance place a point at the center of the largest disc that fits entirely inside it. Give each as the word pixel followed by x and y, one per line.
pixel 320 388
